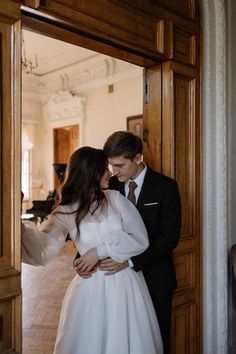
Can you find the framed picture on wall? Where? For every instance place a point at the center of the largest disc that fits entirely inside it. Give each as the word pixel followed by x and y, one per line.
pixel 135 125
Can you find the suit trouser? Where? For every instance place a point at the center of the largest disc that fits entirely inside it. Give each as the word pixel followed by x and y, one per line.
pixel 162 305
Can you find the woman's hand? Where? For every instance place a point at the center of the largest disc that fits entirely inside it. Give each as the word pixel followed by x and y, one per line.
pixel 111 267
pixel 85 263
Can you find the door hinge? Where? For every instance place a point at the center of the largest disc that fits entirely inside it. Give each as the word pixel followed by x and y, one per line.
pixel 146 88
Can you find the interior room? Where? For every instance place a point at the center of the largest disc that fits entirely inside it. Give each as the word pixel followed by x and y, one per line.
pixel 71 97
pixel 55 97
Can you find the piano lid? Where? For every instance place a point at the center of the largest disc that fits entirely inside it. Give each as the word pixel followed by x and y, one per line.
pixel 60 169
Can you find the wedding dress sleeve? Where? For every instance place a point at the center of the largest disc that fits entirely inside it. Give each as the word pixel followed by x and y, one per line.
pixel 126 235
pixel 42 243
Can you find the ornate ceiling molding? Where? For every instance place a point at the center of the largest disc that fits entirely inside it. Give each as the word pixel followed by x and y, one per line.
pixel 94 72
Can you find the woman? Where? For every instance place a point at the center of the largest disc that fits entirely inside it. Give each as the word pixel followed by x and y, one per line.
pixel 100 315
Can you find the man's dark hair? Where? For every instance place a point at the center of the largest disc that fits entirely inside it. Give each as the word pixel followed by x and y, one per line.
pixel 123 143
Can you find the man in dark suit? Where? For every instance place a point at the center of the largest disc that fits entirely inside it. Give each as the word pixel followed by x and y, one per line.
pixel 157 199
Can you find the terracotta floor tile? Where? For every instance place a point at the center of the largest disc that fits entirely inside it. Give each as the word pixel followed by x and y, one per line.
pixel 43 291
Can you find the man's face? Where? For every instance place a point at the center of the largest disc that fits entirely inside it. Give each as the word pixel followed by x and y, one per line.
pixel 125 168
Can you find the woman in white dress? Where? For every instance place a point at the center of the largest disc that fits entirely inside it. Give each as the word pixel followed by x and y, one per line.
pixel 103 314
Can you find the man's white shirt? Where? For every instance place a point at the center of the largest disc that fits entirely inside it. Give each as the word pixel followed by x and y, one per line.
pixel 139 181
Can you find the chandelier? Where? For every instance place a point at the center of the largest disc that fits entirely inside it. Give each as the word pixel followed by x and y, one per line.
pixel 28 63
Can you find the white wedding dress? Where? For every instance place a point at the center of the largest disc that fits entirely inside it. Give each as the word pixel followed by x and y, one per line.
pixel 103 314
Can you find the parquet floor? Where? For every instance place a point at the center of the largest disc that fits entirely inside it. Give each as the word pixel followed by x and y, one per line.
pixel 43 291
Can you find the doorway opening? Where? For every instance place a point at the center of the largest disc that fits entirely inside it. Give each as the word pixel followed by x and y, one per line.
pixel 71 97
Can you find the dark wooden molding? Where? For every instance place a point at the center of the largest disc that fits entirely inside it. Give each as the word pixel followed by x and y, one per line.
pixel 32 3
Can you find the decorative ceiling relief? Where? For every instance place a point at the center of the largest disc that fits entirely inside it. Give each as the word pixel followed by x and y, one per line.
pixel 65 105
pixel 67 67
pixel 93 73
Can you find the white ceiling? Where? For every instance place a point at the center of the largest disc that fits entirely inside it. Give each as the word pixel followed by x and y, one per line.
pixel 63 66
pixel 52 54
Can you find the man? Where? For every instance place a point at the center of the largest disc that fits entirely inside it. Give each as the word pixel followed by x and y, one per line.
pixel 157 199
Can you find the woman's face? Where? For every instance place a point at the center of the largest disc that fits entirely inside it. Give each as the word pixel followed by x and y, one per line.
pixel 104 182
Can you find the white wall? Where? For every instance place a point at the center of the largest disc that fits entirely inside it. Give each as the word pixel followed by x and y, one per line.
pixel 31 109
pixel 107 112
pixel 231 103
pixel 231 130
pixel 219 167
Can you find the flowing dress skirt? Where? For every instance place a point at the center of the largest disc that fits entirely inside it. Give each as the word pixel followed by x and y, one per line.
pixel 108 315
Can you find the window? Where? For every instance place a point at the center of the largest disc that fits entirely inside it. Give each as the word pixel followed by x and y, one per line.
pixel 26 175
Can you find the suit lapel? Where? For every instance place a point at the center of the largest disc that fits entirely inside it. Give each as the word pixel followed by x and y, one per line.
pixel 146 190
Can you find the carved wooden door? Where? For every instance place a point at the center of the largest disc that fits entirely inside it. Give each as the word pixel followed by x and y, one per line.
pixel 181 160
pixel 171 142
pixel 10 257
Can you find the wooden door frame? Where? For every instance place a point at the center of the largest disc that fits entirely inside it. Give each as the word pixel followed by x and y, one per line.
pixel 64 33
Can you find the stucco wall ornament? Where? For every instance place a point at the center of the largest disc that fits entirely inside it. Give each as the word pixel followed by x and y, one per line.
pixel 65 105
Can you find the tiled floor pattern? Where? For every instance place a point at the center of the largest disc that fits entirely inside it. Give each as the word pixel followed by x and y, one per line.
pixel 43 291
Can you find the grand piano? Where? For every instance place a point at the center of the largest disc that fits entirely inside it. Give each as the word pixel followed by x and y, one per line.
pixel 42 208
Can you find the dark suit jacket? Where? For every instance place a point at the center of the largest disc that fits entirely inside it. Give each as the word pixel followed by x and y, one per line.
pixel 159 206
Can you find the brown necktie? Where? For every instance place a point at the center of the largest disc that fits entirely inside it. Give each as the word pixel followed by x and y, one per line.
pixel 131 195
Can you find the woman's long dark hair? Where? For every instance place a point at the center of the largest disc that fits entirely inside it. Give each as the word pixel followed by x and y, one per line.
pixel 86 167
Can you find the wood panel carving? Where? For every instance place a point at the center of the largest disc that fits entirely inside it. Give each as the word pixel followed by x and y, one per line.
pixel 10 288
pixel 184 147
pixel 152 117
pixel 184 47
pixel 165 38
pixel 112 22
pixel 184 16
pixel 180 159
pixel 6 326
pixel 184 330
pixel 179 146
pixel 185 267
pixel 32 3
pixel 186 7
